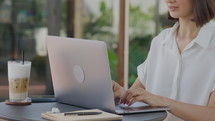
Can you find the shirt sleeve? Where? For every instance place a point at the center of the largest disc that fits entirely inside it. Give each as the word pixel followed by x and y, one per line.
pixel 141 72
pixel 142 68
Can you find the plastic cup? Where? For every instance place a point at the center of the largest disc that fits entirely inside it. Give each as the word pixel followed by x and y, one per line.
pixel 18 77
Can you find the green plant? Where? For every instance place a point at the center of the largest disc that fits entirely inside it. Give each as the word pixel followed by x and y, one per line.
pixel 113 64
pixel 139 39
pixel 40 13
pixel 138 21
pixel 98 25
pixel 138 52
pixel 39 64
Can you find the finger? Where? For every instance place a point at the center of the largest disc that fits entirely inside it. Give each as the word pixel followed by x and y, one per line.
pixel 129 96
pixel 126 96
pixel 132 101
pixel 122 101
pixel 123 98
pixel 139 98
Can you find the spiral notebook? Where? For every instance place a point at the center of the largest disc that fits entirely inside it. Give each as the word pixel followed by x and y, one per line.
pixel 104 116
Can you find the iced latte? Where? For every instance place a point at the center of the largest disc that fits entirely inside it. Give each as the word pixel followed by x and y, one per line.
pixel 18 77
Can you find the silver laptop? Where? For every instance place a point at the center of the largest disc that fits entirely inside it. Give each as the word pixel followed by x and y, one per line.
pixel 81 75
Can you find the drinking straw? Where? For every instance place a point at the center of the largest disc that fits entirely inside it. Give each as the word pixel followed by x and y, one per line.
pixel 23 57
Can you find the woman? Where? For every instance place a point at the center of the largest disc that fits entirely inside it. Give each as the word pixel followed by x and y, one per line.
pixel 179 71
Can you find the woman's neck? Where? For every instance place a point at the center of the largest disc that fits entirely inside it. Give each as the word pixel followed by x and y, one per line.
pixel 187 30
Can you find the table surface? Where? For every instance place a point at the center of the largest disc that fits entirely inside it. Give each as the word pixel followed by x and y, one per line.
pixel 33 112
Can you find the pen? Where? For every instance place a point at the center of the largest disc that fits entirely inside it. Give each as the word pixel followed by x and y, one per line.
pixel 82 113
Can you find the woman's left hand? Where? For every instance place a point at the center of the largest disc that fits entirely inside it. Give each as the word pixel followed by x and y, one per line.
pixel 141 95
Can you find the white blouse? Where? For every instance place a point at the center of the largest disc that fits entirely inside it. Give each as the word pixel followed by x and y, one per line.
pixel 187 77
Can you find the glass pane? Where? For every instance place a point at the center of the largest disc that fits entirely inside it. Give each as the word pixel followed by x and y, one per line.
pixel 23 26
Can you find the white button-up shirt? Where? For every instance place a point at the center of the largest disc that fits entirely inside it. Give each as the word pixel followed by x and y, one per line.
pixel 187 77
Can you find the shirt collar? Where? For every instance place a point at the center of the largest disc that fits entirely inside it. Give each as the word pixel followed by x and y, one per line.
pixel 171 34
pixel 203 38
pixel 205 34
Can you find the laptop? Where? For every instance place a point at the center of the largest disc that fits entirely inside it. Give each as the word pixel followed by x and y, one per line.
pixel 81 75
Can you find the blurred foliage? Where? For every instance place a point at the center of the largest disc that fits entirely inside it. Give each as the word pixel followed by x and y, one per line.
pixel 113 63
pixel 40 12
pixel 98 25
pixel 139 21
pixel 140 39
pixel 1 1
pixel 64 16
pixel 138 51
pixel 39 64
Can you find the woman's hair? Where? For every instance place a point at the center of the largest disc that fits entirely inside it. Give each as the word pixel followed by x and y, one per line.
pixel 204 11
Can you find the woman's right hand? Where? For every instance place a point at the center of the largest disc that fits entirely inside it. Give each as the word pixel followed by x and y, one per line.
pixel 118 91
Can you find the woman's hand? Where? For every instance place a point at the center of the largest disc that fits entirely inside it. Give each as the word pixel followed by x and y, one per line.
pixel 118 91
pixel 141 95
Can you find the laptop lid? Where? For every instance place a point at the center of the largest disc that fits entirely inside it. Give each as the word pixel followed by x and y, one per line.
pixel 80 70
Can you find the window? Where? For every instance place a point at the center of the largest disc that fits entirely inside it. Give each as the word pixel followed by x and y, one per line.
pixel 24 25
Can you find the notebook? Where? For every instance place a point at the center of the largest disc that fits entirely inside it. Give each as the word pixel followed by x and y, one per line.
pixel 81 75
pixel 104 116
